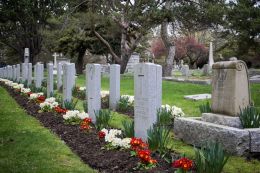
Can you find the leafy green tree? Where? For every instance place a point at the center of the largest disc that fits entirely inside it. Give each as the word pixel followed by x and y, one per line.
pixel 187 16
pixel 243 24
pixel 22 22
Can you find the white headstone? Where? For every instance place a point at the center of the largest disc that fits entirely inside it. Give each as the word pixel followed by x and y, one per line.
pixel 159 85
pixel 26 55
pixel 114 91
pixel 211 60
pixel 10 72
pixel 185 70
pixel 68 78
pixel 39 75
pixel 93 74
pixel 147 85
pixel 24 72
pixel 134 59
pixel 55 55
pixel 1 73
pixel 29 81
pixel 59 76
pixel 5 72
pixel 18 72
pixel 14 73
pixel 73 75
pixel 49 80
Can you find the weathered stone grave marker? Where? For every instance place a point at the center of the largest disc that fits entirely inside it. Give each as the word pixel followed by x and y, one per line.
pixel 230 93
pixel 185 70
pixel 230 87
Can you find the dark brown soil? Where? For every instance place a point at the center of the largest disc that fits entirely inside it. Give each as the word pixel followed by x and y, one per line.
pixel 129 112
pixel 87 145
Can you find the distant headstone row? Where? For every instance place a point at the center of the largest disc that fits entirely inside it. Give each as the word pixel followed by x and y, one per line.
pixel 147 78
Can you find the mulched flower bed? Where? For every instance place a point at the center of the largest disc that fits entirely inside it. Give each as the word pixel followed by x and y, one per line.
pixel 87 145
pixel 129 112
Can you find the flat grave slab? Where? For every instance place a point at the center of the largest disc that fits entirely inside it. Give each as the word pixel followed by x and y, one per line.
pixel 198 97
pixel 255 79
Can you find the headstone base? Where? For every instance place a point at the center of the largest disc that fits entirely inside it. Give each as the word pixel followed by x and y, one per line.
pixel 234 140
pixel 222 120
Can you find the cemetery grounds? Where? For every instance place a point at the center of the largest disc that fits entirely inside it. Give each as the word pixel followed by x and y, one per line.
pixel 27 157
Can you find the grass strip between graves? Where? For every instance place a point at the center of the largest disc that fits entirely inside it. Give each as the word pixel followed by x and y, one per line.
pixel 27 147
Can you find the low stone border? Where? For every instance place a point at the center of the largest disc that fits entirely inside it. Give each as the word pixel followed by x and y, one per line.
pixel 201 82
pixel 235 141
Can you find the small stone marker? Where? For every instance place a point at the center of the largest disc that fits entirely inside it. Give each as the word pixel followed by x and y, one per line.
pixel 39 75
pixel 198 97
pixel 230 87
pixel 18 73
pixel 147 83
pixel 133 60
pixel 29 81
pixel 185 70
pixel 233 59
pixel 50 80
pixel 114 92
pixel 59 77
pixel 93 74
pixel 67 82
pixel 206 69
pixel 24 72
pixel 26 55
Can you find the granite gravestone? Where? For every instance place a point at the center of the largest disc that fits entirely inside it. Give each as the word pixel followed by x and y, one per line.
pixel 230 87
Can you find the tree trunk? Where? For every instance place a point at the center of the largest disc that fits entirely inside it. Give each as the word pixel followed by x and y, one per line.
pixel 125 59
pixel 79 62
pixel 168 43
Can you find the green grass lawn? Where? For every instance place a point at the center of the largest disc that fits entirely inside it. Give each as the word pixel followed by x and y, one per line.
pixel 27 147
pixel 173 92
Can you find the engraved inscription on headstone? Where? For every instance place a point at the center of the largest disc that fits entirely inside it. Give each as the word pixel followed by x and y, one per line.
pixel 147 96
pixel 230 87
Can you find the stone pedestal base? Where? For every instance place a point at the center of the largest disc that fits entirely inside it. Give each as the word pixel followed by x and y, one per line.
pixel 222 120
pixel 234 140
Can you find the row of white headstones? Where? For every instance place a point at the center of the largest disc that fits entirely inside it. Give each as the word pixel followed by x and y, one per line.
pixel 147 87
